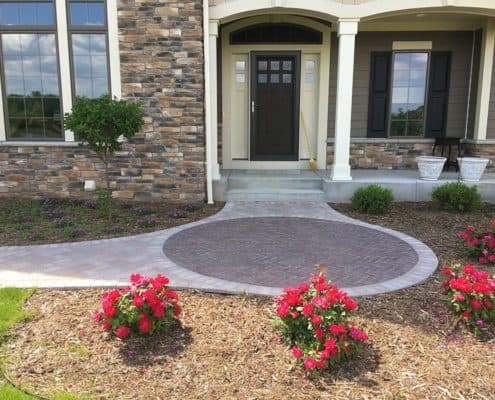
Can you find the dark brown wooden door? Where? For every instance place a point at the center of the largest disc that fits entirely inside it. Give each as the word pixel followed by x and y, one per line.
pixel 275 106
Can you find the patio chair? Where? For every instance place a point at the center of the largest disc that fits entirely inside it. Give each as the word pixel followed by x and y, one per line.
pixel 445 145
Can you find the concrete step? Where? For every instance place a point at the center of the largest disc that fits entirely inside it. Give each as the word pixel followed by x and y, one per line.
pixel 275 182
pixel 273 194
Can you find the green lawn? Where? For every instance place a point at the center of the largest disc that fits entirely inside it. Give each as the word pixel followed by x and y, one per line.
pixel 11 312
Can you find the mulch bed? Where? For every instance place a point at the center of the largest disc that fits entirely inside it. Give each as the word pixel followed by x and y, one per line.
pixel 51 220
pixel 226 347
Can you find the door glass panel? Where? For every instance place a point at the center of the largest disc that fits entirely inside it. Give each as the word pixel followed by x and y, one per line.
pixel 287 65
pixel 274 65
pixel 287 78
pixel 262 78
pixel 262 65
pixel 274 78
pixel 408 94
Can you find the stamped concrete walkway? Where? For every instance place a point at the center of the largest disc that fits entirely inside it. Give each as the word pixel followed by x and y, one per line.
pixel 256 248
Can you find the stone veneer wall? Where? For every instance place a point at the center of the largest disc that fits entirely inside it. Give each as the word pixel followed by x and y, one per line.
pixel 161 50
pixel 382 154
pixel 486 150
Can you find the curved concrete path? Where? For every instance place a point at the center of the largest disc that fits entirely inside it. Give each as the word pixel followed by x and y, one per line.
pixel 255 248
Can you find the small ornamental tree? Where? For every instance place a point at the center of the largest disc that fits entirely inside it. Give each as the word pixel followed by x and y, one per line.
pixel 99 123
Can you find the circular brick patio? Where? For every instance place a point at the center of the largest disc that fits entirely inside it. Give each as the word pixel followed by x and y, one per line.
pixel 282 251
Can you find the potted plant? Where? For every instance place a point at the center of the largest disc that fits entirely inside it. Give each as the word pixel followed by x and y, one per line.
pixel 430 167
pixel 471 168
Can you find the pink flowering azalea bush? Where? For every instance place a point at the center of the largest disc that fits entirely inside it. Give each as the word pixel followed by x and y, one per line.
pixel 313 319
pixel 480 243
pixel 145 307
pixel 471 293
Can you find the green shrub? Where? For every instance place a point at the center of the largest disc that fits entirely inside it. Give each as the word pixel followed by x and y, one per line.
pixel 456 196
pixel 373 199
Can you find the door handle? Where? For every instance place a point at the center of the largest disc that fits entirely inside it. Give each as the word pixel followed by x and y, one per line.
pixel 252 106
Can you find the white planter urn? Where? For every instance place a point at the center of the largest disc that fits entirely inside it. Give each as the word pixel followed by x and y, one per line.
pixel 471 168
pixel 430 167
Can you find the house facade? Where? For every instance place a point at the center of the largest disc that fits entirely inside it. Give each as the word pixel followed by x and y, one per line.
pixel 241 85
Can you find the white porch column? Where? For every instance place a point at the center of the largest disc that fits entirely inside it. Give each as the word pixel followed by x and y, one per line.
pixel 485 80
pixel 210 35
pixel 347 30
pixel 212 38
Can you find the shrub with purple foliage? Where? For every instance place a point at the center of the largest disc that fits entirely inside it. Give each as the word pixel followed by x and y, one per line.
pixel 145 210
pixel 34 236
pixel 93 204
pixel 62 222
pixel 148 220
pixel 53 213
pixel 21 218
pixel 114 228
pixel 74 201
pixel 177 213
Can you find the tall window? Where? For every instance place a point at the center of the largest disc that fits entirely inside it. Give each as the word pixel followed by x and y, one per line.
pixel 407 116
pixel 30 74
pixel 88 27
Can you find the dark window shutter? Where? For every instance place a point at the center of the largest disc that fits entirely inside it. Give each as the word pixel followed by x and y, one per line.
pixel 438 94
pixel 379 94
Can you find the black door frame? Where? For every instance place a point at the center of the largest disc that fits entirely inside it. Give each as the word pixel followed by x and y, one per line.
pixel 296 104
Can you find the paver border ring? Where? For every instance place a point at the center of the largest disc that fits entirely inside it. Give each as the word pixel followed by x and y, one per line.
pixel 426 260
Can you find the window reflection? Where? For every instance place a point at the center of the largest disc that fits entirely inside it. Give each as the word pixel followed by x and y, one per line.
pixel 87 13
pixel 90 64
pixel 31 85
pixel 26 13
pixel 408 94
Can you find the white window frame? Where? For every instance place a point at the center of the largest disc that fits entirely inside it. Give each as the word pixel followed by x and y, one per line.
pixel 65 71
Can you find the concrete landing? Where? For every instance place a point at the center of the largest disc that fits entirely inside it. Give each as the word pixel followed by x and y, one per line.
pixel 304 185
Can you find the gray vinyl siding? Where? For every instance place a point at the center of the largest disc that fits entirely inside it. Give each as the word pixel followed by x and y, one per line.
pixel 459 43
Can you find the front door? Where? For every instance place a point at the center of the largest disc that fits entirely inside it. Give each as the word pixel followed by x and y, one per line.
pixel 275 106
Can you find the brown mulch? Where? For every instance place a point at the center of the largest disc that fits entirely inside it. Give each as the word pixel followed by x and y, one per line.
pixel 29 221
pixel 226 347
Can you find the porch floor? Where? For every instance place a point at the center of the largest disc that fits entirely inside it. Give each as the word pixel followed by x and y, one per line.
pixel 300 185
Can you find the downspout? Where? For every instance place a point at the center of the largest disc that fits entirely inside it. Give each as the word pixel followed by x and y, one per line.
pixel 468 111
pixel 206 101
